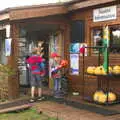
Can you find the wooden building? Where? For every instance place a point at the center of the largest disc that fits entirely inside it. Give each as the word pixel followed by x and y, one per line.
pixel 27 26
pixel 92 13
pixel 69 23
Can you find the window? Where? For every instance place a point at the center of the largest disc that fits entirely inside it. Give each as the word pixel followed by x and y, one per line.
pixel 97 37
pixel 77 37
pixel 115 40
pixel 77 31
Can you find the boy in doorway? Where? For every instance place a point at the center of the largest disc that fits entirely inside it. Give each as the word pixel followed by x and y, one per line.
pixel 37 73
pixel 56 74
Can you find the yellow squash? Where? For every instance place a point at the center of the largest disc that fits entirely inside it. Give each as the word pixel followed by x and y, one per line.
pixel 99 96
pixel 111 97
pixel 116 70
pixel 91 69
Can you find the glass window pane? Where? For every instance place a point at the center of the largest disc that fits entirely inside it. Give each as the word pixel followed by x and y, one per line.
pixel 115 40
pixel 97 37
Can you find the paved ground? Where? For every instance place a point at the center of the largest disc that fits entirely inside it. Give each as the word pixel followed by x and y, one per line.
pixel 64 112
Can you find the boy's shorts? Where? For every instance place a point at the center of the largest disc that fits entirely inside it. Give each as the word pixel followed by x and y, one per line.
pixel 36 80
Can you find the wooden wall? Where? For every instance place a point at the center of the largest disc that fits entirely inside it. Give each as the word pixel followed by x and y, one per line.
pixel 36 11
pixel 59 20
pixel 89 84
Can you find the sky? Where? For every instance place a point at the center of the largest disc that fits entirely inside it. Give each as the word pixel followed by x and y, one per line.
pixel 13 3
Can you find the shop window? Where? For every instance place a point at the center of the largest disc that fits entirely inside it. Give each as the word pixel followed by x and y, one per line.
pixel 115 40
pixel 97 33
pixel 97 38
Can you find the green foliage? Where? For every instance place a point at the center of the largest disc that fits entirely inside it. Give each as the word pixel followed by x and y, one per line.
pixel 6 70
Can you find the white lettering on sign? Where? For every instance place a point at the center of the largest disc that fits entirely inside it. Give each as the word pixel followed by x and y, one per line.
pixel 104 14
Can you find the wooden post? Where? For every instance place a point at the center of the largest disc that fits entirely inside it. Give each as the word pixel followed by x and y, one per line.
pixel 13 82
pixel 66 51
pixel 66 41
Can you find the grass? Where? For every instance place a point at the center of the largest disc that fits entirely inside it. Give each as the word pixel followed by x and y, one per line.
pixel 30 114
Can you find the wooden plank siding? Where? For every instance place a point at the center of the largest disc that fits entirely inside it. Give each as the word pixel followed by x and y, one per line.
pixel 98 24
pixel 50 15
pixel 88 3
pixel 76 82
pixel 56 20
pixel 36 12
pixel 16 24
pixel 90 83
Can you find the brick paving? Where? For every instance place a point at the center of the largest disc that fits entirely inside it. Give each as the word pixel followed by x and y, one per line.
pixel 64 112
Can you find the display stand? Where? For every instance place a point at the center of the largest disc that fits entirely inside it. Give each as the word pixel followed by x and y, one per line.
pixel 100 81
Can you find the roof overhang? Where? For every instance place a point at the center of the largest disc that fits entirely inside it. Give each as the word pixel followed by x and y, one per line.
pixel 4 16
pixel 37 11
pixel 34 12
pixel 88 3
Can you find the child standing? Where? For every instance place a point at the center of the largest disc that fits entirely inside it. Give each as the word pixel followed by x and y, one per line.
pixel 37 73
pixel 56 74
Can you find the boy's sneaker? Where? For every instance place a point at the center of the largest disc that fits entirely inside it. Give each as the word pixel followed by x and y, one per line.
pixel 32 100
pixel 40 98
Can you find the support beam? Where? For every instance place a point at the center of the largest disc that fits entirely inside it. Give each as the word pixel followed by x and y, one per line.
pixel 13 82
pixel 88 3
pixel 37 12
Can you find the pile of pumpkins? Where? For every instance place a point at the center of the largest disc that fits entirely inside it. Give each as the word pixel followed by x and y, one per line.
pixel 99 70
pixel 101 97
pixel 116 70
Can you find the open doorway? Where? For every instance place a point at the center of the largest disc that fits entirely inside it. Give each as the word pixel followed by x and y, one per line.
pixel 30 36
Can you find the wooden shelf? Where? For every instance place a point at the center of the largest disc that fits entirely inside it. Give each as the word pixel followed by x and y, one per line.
pixel 102 83
pixel 109 75
pixel 98 103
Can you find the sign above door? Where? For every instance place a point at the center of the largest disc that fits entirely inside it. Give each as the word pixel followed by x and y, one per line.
pixel 104 14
